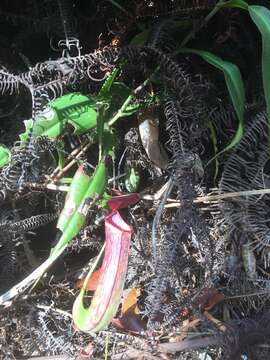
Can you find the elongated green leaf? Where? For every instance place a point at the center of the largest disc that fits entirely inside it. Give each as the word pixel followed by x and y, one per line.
pixel 261 17
pixel 76 220
pixel 4 156
pixel 100 128
pixel 26 282
pixel 235 4
pixel 235 85
pixel 140 38
pixel 108 142
pixel 76 109
pixel 61 158
pixel 72 225
pixel 77 190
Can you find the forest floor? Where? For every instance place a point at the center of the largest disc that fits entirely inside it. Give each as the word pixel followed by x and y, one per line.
pixel 134 169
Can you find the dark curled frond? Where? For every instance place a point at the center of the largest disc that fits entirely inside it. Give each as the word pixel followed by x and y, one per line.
pixel 187 230
pixel 43 144
pixel 187 171
pixel 9 263
pixel 223 118
pixel 51 331
pixel 66 14
pixel 38 75
pixel 9 83
pixel 160 37
pixel 244 336
pixel 248 169
pixel 70 70
pixel 9 252
pixel 69 42
pixel 172 73
pixel 27 164
pixel 87 66
pixel 185 119
pixel 178 7
pixel 252 143
pixel 167 252
pixel 209 257
pixel 43 94
pixel 31 223
pixel 174 126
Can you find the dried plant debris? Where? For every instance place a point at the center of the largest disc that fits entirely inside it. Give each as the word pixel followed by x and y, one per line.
pixel 155 114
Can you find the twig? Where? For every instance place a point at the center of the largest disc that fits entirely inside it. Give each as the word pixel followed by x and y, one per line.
pixel 50 186
pixel 188 344
pixel 220 325
pixel 247 295
pixel 213 12
pixel 231 195
pixel 158 216
pixel 52 357
pixel 59 311
pixel 115 3
pixel 214 198
pixel 121 111
pixel 132 353
pixel 69 165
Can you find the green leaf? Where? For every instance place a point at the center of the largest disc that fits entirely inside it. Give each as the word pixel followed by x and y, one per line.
pixel 261 17
pixel 118 94
pixel 132 179
pixel 78 187
pixel 24 137
pixel 106 87
pixel 74 219
pixel 109 141
pixel 66 180
pixel 74 108
pixel 128 108
pixel 61 158
pixel 235 85
pixel 235 4
pixel 140 39
pixel 100 128
pixel 78 110
pixel 61 155
pixel 71 229
pixel 131 109
pixel 4 156
pixel 26 282
pixel 48 123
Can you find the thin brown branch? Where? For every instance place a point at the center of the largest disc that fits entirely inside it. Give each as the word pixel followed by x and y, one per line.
pixel 187 344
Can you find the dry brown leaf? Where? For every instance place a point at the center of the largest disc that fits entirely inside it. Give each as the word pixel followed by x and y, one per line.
pixel 149 133
pixel 130 319
pixel 208 298
pixel 92 282
pixel 129 304
pixel 185 329
pixel 217 322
